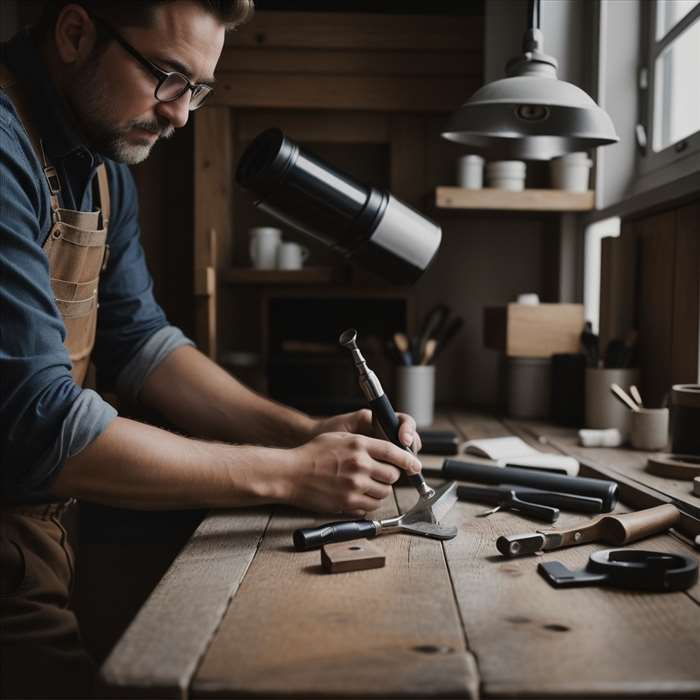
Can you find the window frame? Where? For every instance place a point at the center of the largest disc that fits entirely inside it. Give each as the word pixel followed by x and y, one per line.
pixel 652 48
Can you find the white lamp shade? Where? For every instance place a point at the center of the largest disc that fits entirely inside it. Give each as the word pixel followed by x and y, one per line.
pixel 530 117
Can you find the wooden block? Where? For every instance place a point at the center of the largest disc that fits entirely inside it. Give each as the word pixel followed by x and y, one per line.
pixel 521 330
pixel 696 486
pixel 354 555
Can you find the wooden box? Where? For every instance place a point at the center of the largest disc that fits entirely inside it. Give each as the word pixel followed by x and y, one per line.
pixel 521 330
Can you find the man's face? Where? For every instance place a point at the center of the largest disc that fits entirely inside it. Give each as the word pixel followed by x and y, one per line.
pixel 113 95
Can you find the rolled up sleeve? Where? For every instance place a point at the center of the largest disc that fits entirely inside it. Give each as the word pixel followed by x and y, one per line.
pixel 45 417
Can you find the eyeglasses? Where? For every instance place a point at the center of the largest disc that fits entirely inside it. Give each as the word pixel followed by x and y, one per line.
pixel 171 84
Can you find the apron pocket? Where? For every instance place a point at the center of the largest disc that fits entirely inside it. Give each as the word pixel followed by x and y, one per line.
pixel 75 255
pixel 80 320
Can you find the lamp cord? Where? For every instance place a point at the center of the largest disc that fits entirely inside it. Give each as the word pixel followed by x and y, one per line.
pixel 533 13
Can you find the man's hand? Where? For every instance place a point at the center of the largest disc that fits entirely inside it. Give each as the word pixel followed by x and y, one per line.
pixel 360 423
pixel 345 473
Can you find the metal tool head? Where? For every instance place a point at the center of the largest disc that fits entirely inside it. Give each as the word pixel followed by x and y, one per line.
pixel 347 338
pixel 432 509
pixel 432 530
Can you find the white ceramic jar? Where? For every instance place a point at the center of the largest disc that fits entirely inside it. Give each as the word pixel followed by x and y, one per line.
pixel 571 172
pixel 506 175
pixel 470 172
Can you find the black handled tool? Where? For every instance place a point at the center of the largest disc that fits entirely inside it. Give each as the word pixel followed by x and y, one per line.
pixel 422 520
pixel 381 407
pixel 605 490
pixel 537 503
pixel 626 568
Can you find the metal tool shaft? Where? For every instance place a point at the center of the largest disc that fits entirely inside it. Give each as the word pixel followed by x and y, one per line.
pixel 380 405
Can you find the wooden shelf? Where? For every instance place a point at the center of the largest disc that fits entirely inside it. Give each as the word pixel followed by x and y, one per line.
pixel 527 200
pixel 308 275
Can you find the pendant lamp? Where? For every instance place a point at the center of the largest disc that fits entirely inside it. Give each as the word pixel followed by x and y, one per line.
pixel 530 114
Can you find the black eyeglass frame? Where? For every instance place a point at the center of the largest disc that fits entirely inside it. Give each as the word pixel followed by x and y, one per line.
pixel 200 91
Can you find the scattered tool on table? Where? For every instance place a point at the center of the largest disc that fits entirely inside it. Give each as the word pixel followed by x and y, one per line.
pixel 536 503
pixel 626 568
pixel 603 489
pixel 673 466
pixel 356 555
pixel 440 442
pixel 621 395
pixel 381 407
pixel 610 529
pixel 423 519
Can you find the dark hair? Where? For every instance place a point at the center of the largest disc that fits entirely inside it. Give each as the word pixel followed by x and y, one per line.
pixel 130 13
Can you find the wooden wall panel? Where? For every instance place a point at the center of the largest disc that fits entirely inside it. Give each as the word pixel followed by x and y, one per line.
pixel 360 32
pixel 213 186
pixel 685 355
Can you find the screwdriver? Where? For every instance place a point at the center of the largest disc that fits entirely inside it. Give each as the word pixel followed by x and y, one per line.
pixel 381 407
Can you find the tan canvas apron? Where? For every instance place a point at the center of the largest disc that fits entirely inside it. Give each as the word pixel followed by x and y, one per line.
pixel 41 652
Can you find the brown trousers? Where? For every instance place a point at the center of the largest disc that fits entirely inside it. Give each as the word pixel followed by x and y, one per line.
pixel 41 652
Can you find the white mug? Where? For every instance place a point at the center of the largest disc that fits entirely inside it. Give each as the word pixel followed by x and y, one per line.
pixel 291 256
pixel 264 242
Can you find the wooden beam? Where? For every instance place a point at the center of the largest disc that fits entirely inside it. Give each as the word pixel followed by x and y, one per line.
pixel 313 126
pixel 360 31
pixel 161 649
pixel 383 94
pixel 526 200
pixel 213 184
pixel 350 62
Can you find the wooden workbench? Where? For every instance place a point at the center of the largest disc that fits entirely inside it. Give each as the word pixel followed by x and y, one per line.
pixel 240 613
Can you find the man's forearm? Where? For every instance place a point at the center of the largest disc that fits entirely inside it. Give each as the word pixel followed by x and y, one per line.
pixel 134 465
pixel 199 397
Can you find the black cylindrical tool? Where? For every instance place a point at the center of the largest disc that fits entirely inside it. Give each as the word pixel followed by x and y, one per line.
pixel 381 407
pixel 360 222
pixel 487 474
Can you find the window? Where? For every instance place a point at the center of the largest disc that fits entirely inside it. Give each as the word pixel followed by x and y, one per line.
pixel 671 78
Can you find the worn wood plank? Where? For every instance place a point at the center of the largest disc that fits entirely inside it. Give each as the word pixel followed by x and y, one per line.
pixel 533 640
pixel 359 31
pixel 656 279
pixel 159 652
pixel 213 183
pixel 407 158
pixel 526 200
pixel 350 62
pixel 685 343
pixel 372 93
pixel 293 630
pixel 309 126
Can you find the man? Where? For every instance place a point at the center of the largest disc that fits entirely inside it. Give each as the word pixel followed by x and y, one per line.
pixel 87 91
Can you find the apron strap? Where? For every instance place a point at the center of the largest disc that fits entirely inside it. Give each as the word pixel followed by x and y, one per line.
pixel 103 194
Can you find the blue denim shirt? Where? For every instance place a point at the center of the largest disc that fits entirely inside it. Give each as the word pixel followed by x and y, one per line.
pixel 44 416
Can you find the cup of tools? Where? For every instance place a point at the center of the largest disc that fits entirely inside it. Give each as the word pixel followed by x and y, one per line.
pixel 603 410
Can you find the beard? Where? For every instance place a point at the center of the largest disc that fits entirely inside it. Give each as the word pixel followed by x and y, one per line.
pixel 92 102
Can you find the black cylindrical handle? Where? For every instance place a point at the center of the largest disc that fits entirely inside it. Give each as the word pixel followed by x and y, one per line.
pixel 384 412
pixel 486 474
pixel 312 537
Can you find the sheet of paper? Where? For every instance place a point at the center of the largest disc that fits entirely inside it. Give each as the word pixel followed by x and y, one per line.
pixel 500 448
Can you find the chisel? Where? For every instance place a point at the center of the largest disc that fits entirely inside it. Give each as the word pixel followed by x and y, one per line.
pixel 381 407
pixel 610 529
